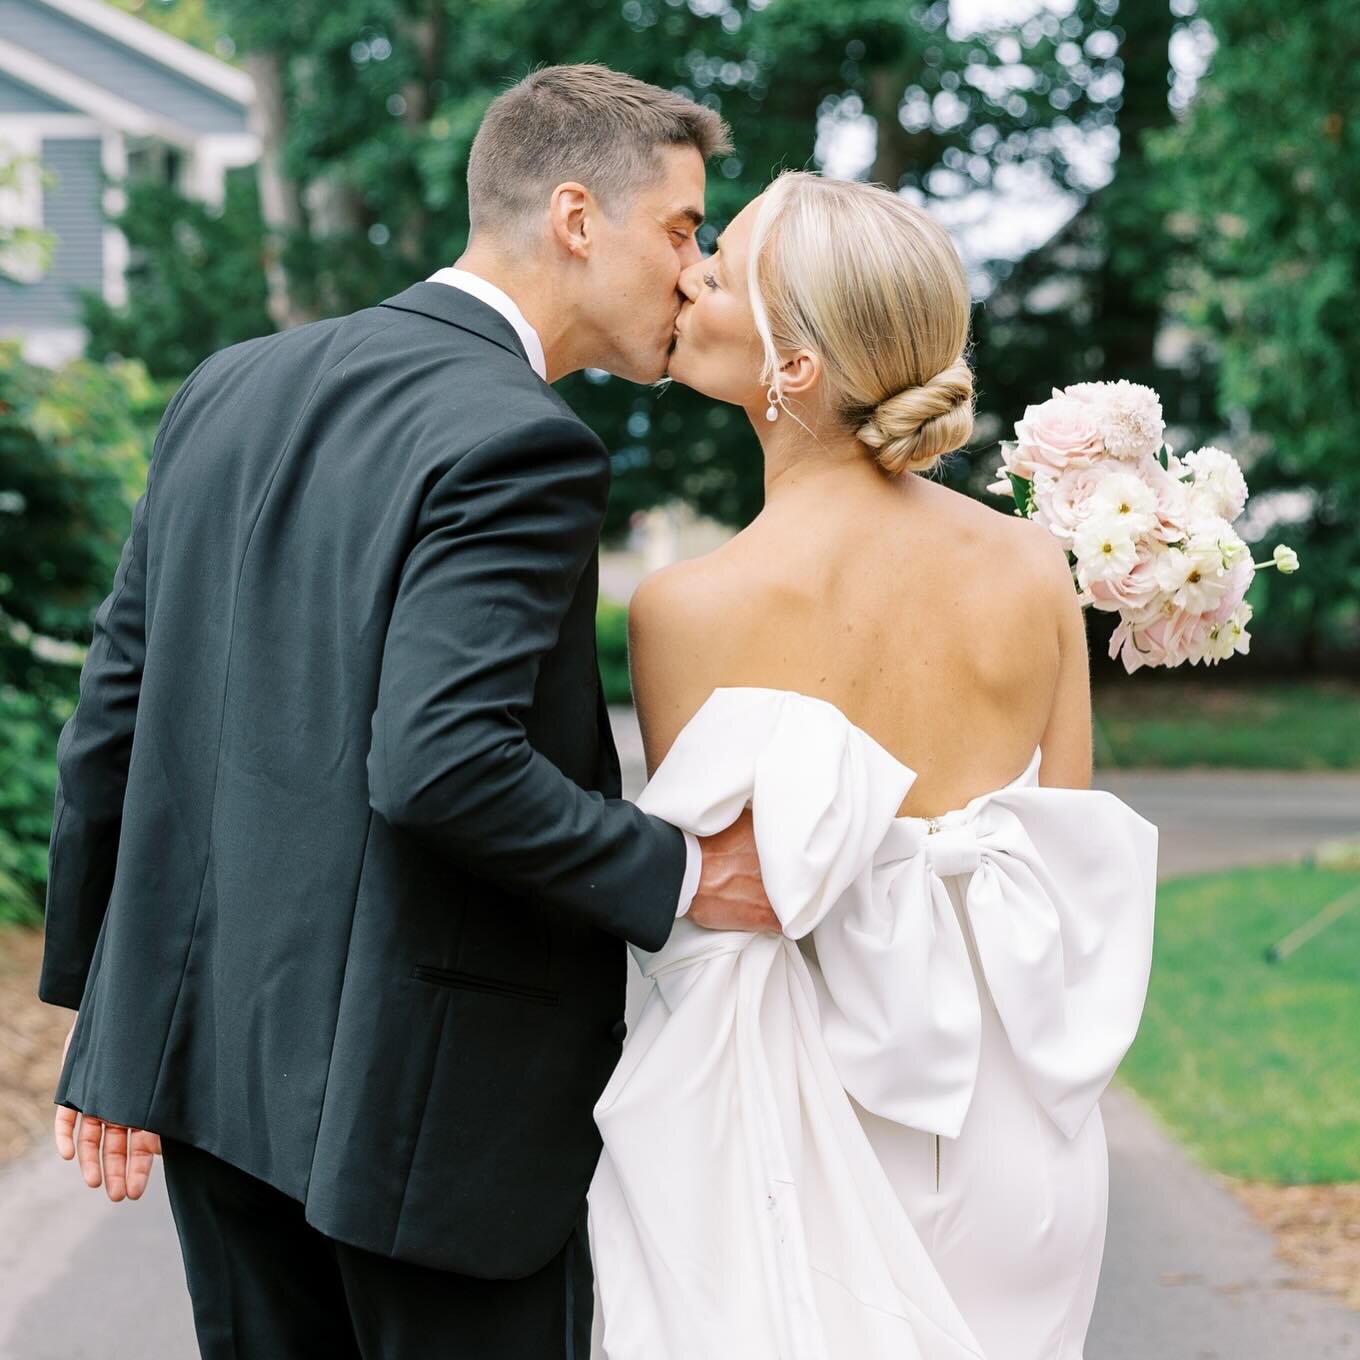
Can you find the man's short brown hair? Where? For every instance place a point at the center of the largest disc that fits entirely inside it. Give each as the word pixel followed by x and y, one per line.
pixel 598 127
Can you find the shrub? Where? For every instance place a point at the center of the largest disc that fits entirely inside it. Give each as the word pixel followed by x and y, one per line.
pixel 611 638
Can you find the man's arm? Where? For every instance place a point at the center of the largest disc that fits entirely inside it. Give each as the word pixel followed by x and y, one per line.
pixel 93 752
pixel 503 539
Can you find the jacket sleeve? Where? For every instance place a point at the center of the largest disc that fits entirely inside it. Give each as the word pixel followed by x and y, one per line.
pixel 502 540
pixel 93 753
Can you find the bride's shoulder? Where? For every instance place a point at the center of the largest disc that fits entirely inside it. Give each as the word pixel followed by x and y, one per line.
pixel 691 596
pixel 1027 549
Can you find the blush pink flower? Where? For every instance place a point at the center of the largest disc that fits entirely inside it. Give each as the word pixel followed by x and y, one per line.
pixel 1134 594
pixel 1062 500
pixel 1057 434
pixel 1240 576
pixel 1173 509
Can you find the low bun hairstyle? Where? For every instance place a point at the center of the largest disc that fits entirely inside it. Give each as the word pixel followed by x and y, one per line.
pixel 875 288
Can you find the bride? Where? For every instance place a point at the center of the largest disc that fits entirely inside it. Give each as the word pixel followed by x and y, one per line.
pixel 876 1134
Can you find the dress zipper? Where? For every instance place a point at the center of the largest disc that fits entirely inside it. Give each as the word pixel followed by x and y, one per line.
pixel 937 1161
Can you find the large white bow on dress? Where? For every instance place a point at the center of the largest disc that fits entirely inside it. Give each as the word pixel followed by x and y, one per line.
pixel 738 1203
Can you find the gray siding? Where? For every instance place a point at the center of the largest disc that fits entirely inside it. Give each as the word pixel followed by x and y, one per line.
pixel 72 212
pixel 16 97
pixel 107 63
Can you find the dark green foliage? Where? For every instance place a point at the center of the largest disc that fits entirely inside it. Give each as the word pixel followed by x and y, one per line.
pixel 73 451
pixel 1265 177
pixel 1242 219
pixel 28 738
pixel 196 283
pixel 611 634
pixel 383 98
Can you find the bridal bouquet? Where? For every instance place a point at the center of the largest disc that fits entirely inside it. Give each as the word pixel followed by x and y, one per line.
pixel 1150 534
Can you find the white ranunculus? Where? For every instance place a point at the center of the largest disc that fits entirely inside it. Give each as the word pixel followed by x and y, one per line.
pixel 1105 550
pixel 1198 574
pixel 1231 636
pixel 1129 498
pixel 1285 559
pixel 1219 488
pixel 1242 639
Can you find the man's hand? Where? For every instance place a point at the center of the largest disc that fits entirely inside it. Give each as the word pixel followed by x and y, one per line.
pixel 120 1158
pixel 731 895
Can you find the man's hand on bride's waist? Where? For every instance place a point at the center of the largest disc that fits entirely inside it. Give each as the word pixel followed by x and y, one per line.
pixel 731 895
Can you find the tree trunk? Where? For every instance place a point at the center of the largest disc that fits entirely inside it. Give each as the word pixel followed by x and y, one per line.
pixel 1127 290
pixel 427 33
pixel 896 151
pixel 280 197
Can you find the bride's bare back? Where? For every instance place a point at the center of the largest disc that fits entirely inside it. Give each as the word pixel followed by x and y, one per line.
pixel 948 631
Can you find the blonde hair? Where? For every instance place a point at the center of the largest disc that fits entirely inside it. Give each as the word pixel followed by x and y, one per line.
pixel 586 123
pixel 874 287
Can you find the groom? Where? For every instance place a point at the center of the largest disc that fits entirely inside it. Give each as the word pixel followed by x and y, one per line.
pixel 340 873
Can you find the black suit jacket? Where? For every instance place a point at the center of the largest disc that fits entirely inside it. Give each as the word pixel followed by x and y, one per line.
pixel 339 871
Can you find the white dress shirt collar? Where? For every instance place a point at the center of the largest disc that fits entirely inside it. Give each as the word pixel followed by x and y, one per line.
pixel 502 302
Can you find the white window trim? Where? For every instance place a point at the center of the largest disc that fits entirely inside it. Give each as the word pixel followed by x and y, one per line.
pixel 160 46
pixel 215 154
pixel 113 162
pixel 89 99
pixel 40 127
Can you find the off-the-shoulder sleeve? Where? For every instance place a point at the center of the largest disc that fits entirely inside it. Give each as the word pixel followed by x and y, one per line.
pixel 822 793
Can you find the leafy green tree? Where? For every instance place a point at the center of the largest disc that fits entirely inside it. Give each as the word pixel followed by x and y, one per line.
pixel 188 20
pixel 73 451
pixel 1264 176
pixel 25 250
pixel 195 279
pixel 369 109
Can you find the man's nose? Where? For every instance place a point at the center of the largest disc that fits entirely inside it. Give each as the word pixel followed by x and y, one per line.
pixel 689 274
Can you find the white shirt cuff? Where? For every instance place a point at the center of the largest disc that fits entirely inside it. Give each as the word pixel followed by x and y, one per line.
pixel 694 863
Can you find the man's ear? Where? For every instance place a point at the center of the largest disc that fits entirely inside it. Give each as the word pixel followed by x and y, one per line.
pixel 570 212
pixel 800 371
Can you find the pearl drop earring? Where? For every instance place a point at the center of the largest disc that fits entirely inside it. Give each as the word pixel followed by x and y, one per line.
pixel 772 411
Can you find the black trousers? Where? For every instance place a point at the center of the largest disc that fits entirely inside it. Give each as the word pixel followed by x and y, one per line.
pixel 267 1286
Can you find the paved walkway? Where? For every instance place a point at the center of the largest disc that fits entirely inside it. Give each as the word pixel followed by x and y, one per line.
pixel 1187 1274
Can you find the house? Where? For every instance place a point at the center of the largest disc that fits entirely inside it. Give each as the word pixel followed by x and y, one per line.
pixel 88 95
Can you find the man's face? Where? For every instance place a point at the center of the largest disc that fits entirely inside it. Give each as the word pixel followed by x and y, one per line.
pixel 637 263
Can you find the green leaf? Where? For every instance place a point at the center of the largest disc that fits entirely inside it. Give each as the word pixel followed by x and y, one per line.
pixel 1023 491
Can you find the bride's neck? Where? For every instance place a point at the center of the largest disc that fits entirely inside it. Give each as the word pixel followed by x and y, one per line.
pixel 797 457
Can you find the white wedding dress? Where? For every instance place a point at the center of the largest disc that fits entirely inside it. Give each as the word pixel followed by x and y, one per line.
pixel 876 1136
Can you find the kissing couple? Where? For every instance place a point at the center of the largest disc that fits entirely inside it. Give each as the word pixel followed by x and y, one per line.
pixel 342 885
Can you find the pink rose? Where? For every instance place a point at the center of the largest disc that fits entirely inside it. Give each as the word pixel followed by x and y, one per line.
pixel 1187 637
pixel 1059 433
pixel 1173 506
pixel 1138 647
pixel 1062 499
pixel 1155 644
pixel 1134 593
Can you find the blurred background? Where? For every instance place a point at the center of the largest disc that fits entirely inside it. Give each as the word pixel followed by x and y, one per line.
pixel 1159 190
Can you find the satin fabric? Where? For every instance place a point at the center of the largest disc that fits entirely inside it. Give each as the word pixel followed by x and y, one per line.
pixel 949 995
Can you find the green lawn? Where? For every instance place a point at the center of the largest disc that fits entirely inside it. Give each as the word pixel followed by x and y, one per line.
pixel 1255 1066
pixel 1284 725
